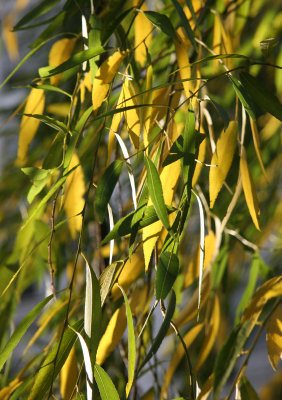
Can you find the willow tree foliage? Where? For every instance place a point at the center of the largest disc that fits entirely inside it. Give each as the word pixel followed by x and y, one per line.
pixel 144 193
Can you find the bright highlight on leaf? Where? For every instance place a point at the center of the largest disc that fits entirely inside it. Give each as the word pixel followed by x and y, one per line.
pixel 59 53
pixel 143 35
pixel 274 337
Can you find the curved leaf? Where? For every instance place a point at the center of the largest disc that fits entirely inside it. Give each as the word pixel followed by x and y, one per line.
pixel 166 274
pixel 162 22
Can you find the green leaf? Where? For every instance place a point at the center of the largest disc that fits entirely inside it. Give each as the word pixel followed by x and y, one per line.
pixel 219 267
pixel 162 22
pixel 51 88
pixel 92 310
pixel 94 40
pixel 106 279
pixel 105 188
pixel 56 23
pixel 52 122
pixel 156 192
pixel 185 23
pixel 228 355
pixel 131 344
pixel 250 288
pixel 77 59
pixel 246 390
pixel 189 137
pixel 54 156
pixel 21 330
pixel 48 371
pixel 166 274
pixel 261 95
pixel 163 330
pixel 41 9
pixel 105 385
pixel 109 29
pixel 244 97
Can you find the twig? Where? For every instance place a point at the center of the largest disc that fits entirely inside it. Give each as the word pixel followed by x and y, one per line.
pixel 241 239
pixel 52 272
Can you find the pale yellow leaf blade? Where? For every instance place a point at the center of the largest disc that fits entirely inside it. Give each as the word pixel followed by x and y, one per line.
pixel 132 116
pixel 271 288
pixel 104 77
pixel 211 334
pixel 222 157
pixel 7 391
pixel 249 190
pixel 74 201
pixel 10 37
pixel 34 105
pixel 131 270
pixel 189 338
pixel 257 144
pixel 181 48
pixel 201 158
pixel 60 52
pixel 143 35
pixel 274 337
pixel 197 5
pixel 69 376
pixel 115 126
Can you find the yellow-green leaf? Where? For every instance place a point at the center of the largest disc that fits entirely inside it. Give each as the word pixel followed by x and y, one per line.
pixel 249 190
pixel 34 105
pixel 222 157
pixel 274 337
pixel 254 129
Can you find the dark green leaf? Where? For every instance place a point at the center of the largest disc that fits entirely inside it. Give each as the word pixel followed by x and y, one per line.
pixel 189 136
pixel 261 95
pixel 163 330
pixel 109 29
pixel 77 59
pixel 228 355
pixel 94 41
pixel 52 122
pixel 185 23
pixel 46 86
pixel 41 9
pixel 21 330
pixel 156 192
pixel 56 23
pixel 219 267
pixel 106 279
pixel 247 392
pixel 166 274
pixel 105 385
pixel 47 373
pixel 162 22
pixel 54 156
pixel 105 188
pixel 244 97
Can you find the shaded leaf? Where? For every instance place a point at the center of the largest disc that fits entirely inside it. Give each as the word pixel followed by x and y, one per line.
pixel 162 22
pixel 167 271
pixel 247 392
pixel 244 97
pixel 40 9
pixel 105 188
pixel 50 30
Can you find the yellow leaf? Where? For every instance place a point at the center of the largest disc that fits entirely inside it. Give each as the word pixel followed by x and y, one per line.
pixel 159 97
pixel 270 126
pixel 34 105
pixel 59 53
pixel 74 201
pixel 148 110
pixel 115 126
pixel 222 157
pixel 69 376
pixel 150 395
pixel 7 391
pixel 60 109
pixel 104 77
pixel 206 388
pixel 271 288
pixel 169 178
pixel 194 265
pixel 10 37
pixel 226 42
pixel 181 48
pixel 201 158
pixel 249 190
pixel 257 144
pixel 211 334
pixel 131 270
pixel 143 35
pixel 189 338
pixel 197 5
pixel 132 117
pixel 86 84
pixel 274 337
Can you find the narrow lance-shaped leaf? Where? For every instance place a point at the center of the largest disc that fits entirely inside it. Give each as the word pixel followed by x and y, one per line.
pixel 189 136
pixel 131 344
pixel 111 222
pixel 185 23
pixel 21 329
pixel 156 192
pixel 60 52
pixel 105 384
pixel 167 271
pixel 36 12
pixel 247 392
pixel 105 188
pixel 274 337
pixel 107 278
pixel 163 330
pixel 162 22
pixel 243 96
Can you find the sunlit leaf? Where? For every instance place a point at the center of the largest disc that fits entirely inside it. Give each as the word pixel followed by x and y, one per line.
pixel 185 23
pixel 105 384
pixel 143 35
pixel 167 271
pixel 59 53
pixel 162 22
pixel 182 46
pixel 69 376
pixel 246 100
pixel 257 145
pixel 274 337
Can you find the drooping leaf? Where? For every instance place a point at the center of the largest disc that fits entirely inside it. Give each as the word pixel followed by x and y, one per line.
pixel 74 200
pixel 52 122
pixel 20 330
pixel 132 116
pixel 257 145
pixel 69 376
pixel 107 278
pixel 167 271
pixel 274 337
pixel 244 97
pixel 228 355
pixel 249 190
pixel 247 392
pixel 181 47
pixel 261 95
pixel 59 53
pixel 50 30
pixel 162 22
pixel 105 384
pixel 185 23
pixel 39 10
pixel 105 188
pixel 219 267
pixel 156 192
pixel 34 105
pixel 162 332
pixel 143 35
pixel 222 158
pixel 131 344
